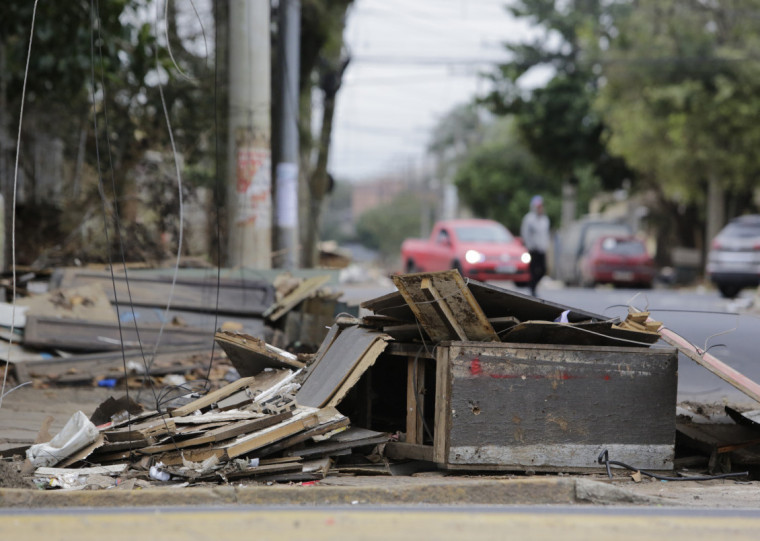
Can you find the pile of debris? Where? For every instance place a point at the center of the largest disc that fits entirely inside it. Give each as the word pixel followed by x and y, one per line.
pixel 92 322
pixel 443 373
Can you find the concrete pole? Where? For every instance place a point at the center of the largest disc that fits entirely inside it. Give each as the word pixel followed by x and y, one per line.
pixel 287 169
pixel 249 162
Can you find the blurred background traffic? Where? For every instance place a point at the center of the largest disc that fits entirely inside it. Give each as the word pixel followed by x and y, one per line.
pixel 636 122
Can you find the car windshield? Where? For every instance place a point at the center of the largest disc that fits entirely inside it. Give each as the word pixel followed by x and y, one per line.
pixel 483 233
pixel 623 246
pixel 741 230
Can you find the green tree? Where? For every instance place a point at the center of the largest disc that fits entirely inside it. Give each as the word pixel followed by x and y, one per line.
pixel 557 122
pixel 681 95
pixel 385 227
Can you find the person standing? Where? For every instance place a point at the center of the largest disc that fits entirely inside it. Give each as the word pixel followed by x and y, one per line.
pixel 534 231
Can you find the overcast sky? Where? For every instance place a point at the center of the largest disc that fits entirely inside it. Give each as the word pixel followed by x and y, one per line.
pixel 412 62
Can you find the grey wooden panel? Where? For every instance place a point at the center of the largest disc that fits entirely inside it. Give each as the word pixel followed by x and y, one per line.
pixel 335 366
pixel 513 402
pixel 225 296
pixel 75 335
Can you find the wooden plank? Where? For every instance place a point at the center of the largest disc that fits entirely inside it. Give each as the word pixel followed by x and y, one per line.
pixel 144 431
pixel 303 419
pixel 71 334
pixel 336 365
pixel 250 355
pixel 329 420
pixel 415 400
pixel 266 384
pixel 225 295
pixel 304 290
pixel 94 470
pixel 367 359
pixel 445 307
pixel 713 364
pixel 230 431
pixel 442 425
pixel 348 439
pixel 397 450
pixel 212 397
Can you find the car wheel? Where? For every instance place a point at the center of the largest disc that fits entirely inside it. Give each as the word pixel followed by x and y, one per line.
pixel 729 291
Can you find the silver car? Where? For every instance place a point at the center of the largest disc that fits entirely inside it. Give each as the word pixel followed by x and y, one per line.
pixel 733 262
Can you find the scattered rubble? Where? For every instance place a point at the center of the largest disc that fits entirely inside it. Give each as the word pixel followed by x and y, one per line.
pixel 444 373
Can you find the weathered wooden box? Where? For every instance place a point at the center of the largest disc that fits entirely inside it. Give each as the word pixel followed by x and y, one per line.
pixel 553 408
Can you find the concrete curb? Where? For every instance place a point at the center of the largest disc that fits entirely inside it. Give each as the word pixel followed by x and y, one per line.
pixel 562 491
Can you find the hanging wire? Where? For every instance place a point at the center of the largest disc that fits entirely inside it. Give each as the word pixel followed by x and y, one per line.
pixel 13 214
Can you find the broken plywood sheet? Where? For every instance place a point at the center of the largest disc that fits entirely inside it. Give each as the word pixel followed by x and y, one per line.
pixel 250 355
pixel 348 350
pixel 445 307
pixel 304 290
pixel 345 440
pixel 212 397
pixel 76 335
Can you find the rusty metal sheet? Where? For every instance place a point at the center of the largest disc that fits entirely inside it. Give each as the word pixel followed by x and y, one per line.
pixel 445 307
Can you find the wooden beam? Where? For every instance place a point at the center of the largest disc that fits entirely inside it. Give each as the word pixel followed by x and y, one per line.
pixel 713 364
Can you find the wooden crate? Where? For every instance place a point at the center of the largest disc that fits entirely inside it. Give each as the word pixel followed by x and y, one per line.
pixel 553 408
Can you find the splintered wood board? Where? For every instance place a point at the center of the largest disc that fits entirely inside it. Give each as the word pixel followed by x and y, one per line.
pixel 303 291
pixel 212 397
pixel 344 354
pixel 250 355
pixel 445 307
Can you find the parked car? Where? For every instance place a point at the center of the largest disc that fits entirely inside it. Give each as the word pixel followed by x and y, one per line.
pixel 575 240
pixel 479 249
pixel 733 261
pixel 618 260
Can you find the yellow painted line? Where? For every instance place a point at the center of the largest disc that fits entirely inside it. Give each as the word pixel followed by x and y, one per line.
pixel 319 525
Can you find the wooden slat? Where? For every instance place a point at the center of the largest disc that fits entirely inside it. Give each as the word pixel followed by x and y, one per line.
pixel 302 420
pixel 445 306
pixel 212 397
pixel 415 400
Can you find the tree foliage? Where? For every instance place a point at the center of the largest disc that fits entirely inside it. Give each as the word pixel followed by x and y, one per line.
pixel 384 228
pixel 681 95
pixel 557 122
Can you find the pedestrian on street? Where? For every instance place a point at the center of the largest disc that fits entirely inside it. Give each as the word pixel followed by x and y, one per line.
pixel 534 231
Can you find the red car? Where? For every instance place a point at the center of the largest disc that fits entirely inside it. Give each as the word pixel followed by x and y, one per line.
pixel 618 260
pixel 479 249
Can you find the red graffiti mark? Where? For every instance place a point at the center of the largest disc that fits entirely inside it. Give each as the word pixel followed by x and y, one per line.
pixel 475 368
pixel 607 377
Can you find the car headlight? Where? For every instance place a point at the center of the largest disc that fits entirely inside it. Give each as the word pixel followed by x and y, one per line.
pixel 525 258
pixel 473 256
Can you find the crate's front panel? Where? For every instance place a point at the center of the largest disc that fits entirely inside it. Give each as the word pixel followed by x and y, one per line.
pixel 560 406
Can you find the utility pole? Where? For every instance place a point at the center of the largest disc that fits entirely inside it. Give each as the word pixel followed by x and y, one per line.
pixel 249 162
pixel 287 169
